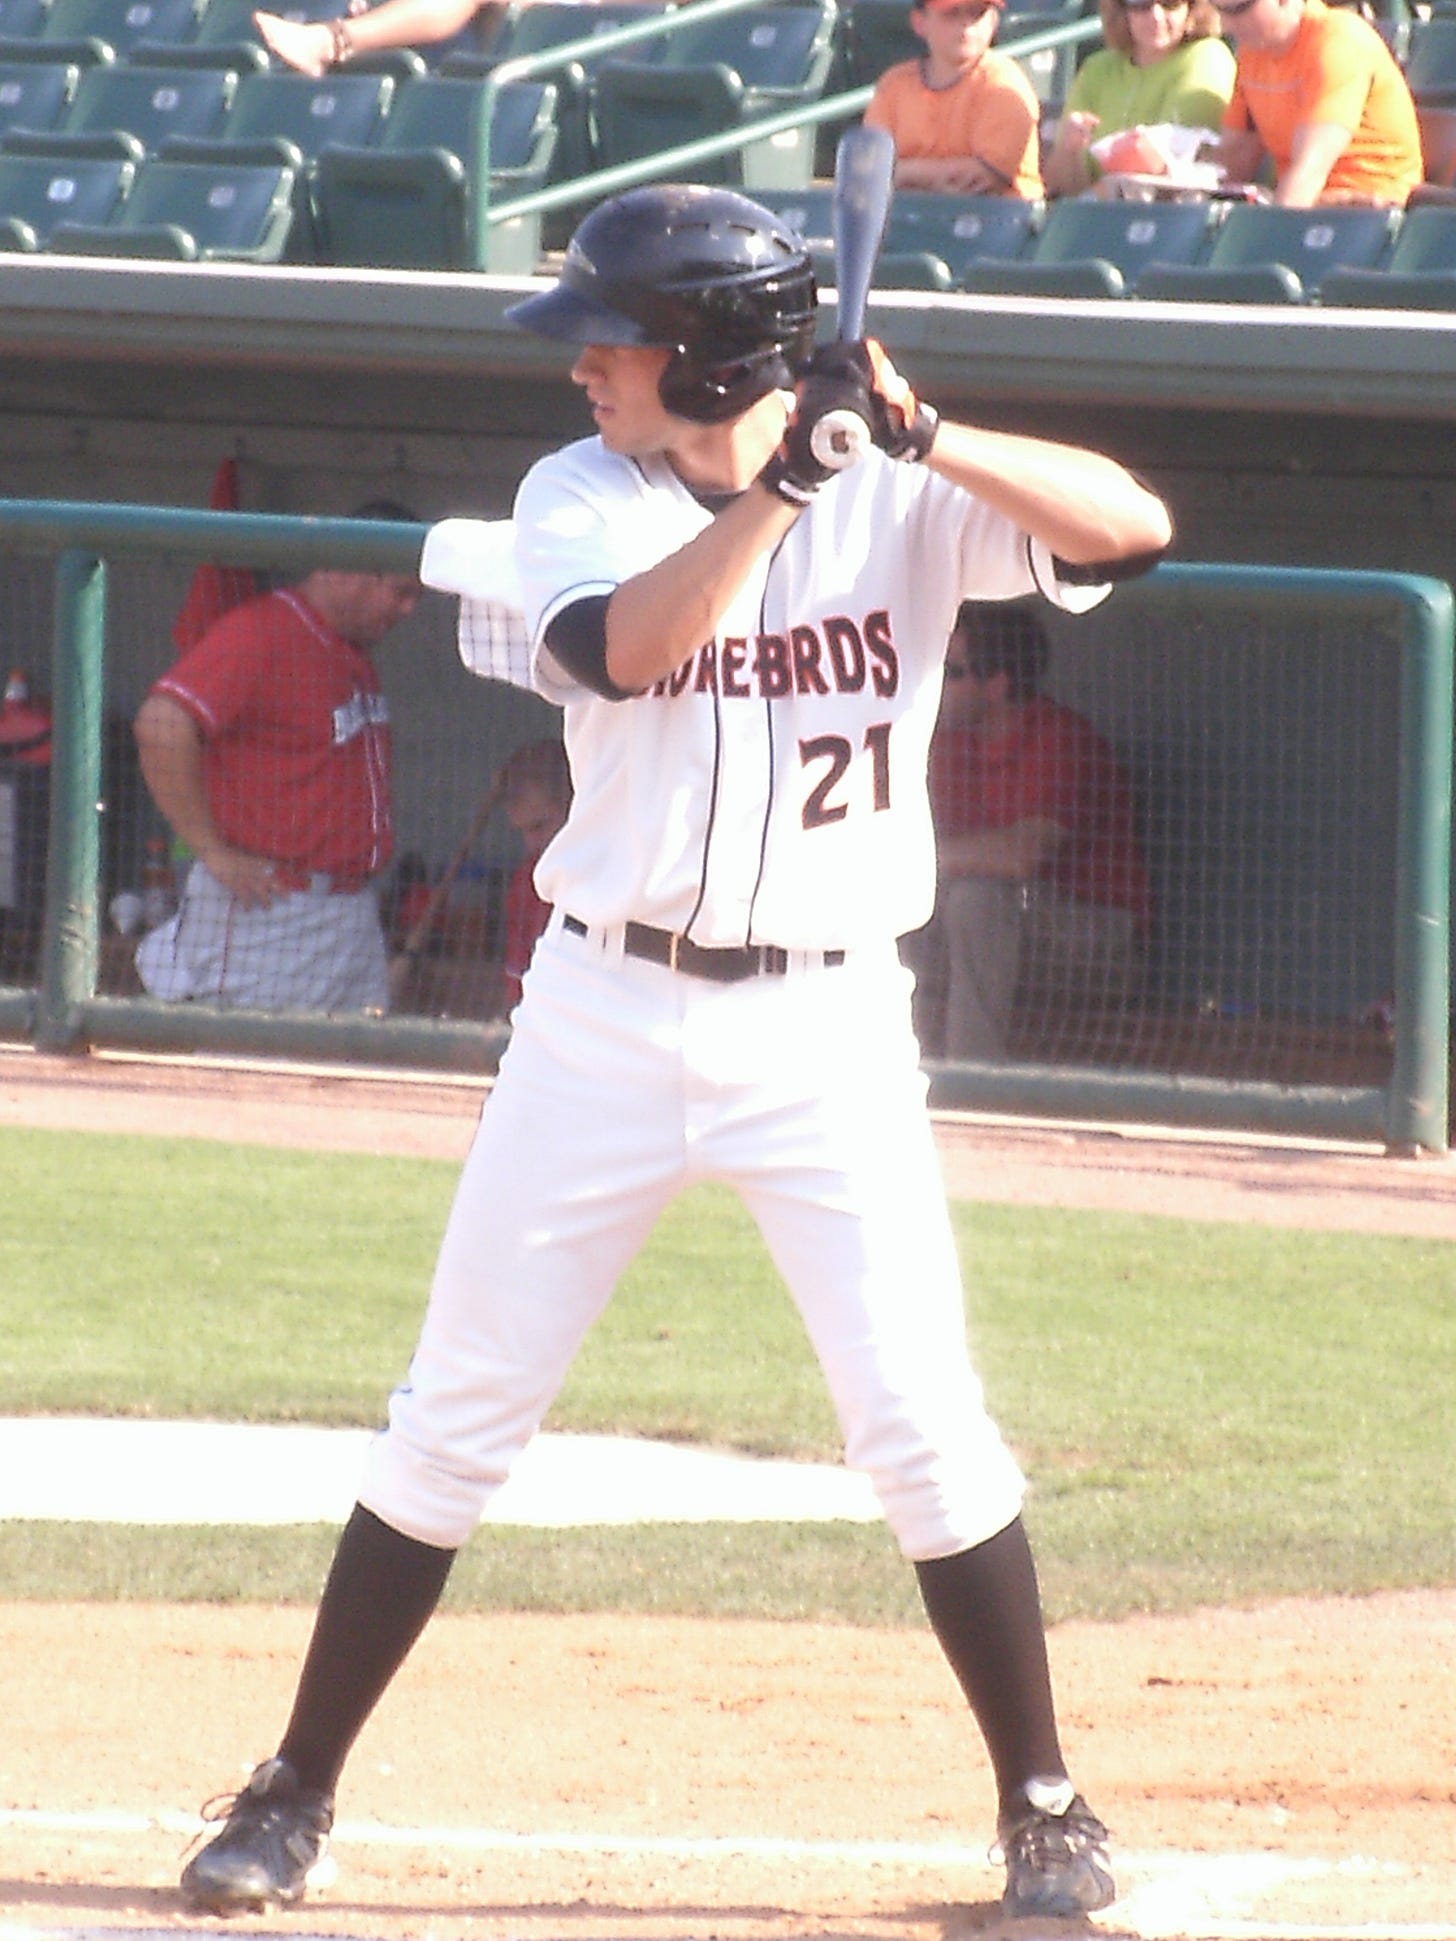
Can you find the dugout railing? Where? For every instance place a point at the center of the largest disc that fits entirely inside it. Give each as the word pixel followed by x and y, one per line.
pixel 1288 735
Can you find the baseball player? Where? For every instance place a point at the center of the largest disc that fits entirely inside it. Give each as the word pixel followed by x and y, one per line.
pixel 746 648
pixel 267 748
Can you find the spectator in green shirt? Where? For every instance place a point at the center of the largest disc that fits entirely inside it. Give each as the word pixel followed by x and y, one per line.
pixel 1164 61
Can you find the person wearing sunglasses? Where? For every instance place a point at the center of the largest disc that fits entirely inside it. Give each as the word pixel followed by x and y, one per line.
pixel 964 117
pixel 1319 104
pixel 1164 62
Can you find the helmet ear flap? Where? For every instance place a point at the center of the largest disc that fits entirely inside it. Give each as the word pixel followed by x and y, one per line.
pixel 710 393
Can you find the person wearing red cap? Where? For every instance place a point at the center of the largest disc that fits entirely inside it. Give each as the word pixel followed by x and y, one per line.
pixel 963 117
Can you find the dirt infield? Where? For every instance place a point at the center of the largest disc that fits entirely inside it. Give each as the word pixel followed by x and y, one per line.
pixel 1290 1768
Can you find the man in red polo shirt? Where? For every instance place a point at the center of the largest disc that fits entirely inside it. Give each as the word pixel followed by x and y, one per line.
pixel 1036 853
pixel 267 749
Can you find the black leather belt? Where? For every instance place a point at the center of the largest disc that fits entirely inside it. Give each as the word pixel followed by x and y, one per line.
pixel 728 966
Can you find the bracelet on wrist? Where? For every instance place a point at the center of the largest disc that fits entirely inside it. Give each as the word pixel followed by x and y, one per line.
pixel 342 42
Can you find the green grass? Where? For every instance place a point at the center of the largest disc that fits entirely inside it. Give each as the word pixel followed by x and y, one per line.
pixel 1208 1413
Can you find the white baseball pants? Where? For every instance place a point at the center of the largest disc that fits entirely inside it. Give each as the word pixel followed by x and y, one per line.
pixel 625 1082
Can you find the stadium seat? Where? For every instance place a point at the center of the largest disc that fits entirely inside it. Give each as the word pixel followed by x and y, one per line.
pixel 347 109
pixel 22 19
pixel 877 35
pixel 119 24
pixel 1049 71
pixel 35 94
pixel 961 230
pixel 804 208
pixel 150 103
pixel 638 111
pixel 715 76
pixel 1430 62
pixel 537 29
pixel 193 211
pixel 41 186
pixel 226 26
pixel 780 52
pixel 930 240
pixel 556 23
pixel 1091 248
pixel 1262 254
pixel 1421 273
pixel 408 202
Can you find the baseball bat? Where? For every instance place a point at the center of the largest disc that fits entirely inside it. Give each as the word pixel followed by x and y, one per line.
pixel 864 181
pixel 403 963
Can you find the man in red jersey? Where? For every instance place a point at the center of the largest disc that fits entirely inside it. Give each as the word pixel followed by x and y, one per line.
pixel 267 749
pixel 1037 858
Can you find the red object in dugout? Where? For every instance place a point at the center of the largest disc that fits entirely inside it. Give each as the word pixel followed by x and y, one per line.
pixel 25 725
pixel 214 589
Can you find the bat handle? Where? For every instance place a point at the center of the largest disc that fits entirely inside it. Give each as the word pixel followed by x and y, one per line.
pixel 839 439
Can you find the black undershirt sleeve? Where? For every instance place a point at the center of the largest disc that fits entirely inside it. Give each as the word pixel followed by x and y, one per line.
pixel 577 638
pixel 1104 572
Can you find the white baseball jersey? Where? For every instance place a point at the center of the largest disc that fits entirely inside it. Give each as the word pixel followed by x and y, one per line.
pixel 772 790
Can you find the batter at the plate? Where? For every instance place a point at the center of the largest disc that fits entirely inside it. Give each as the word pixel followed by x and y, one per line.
pixel 747 649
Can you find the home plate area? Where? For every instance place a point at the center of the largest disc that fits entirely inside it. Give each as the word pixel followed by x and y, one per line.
pixel 1165 1896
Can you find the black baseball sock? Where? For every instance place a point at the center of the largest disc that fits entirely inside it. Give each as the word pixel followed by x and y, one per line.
pixel 380 1594
pixel 985 1608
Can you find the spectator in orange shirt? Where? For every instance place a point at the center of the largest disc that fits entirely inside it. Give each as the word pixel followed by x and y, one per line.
pixel 1318 95
pixel 1036 850
pixel 963 117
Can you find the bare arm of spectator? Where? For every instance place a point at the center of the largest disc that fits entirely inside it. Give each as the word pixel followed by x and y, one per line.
pixel 170 747
pixel 1316 147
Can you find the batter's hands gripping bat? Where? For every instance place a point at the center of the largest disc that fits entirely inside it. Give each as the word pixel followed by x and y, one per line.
pixel 402 965
pixel 864 181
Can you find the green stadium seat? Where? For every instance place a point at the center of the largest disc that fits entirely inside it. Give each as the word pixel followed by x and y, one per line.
pixel 1430 62
pixel 930 240
pixel 408 201
pixel 641 110
pixel 961 230
pixel 715 76
pixel 1420 275
pixel 781 53
pixel 1050 70
pixel 35 94
pixel 805 208
pixel 226 26
pixel 41 185
pixel 877 34
pixel 1266 255
pixel 120 24
pixel 150 103
pixel 194 211
pixel 346 109
pixel 547 24
pixel 22 19
pixel 1092 248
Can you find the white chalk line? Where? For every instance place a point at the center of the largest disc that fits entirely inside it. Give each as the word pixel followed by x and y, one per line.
pixel 1192 1896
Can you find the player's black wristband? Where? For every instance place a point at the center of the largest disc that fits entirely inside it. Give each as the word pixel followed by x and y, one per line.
pixel 780 478
pixel 909 443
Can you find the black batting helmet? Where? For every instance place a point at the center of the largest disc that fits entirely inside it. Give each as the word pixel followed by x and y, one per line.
pixel 704 272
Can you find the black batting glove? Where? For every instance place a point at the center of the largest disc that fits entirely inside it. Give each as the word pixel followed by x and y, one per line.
pixel 904 427
pixel 831 428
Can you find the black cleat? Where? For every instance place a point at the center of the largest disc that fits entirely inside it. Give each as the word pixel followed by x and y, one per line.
pixel 273 1847
pixel 1055 1850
